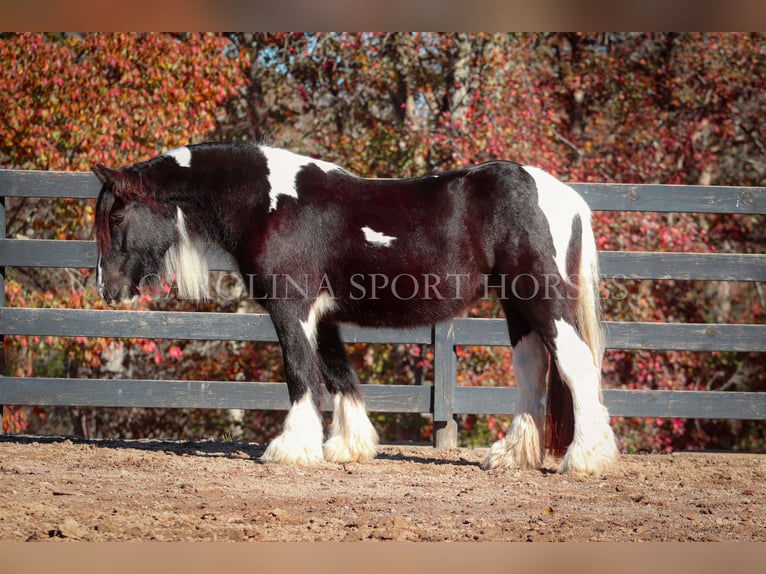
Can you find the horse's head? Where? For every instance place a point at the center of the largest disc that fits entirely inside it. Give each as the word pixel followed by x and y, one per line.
pixel 134 232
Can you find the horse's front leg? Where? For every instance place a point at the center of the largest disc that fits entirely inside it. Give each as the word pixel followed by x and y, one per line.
pixel 302 433
pixel 352 436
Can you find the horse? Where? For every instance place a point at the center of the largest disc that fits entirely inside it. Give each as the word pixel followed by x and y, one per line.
pixel 320 246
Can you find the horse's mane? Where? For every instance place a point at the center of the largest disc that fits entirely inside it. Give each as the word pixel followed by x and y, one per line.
pixel 126 185
pixel 103 232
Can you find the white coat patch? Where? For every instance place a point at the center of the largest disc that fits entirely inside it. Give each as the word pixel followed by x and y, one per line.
pixel 284 167
pixel 182 155
pixel 559 203
pixel 322 305
pixel 376 237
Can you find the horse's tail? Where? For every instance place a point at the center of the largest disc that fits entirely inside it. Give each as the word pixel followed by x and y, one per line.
pixel 560 413
pixel 588 325
pixel 588 314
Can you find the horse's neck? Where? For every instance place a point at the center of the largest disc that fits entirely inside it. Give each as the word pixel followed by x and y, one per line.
pixel 219 214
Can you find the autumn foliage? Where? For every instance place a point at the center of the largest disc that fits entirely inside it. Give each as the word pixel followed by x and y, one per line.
pixel 640 108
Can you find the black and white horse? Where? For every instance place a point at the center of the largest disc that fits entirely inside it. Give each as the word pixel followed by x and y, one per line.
pixel 319 246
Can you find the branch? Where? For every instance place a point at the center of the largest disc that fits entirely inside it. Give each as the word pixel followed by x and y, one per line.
pixel 564 140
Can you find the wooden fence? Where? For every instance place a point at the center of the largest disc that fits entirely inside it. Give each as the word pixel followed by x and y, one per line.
pixel 444 398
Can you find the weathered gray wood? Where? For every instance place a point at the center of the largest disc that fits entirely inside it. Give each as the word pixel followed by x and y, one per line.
pixel 635 335
pixel 193 394
pixel 2 293
pixel 673 198
pixel 445 380
pixel 175 325
pixel 76 254
pixel 397 398
pixel 379 398
pixel 614 264
pixel 685 336
pixel 686 404
pixel 600 196
pixel 681 266
pixel 258 327
pixel 485 400
pixel 145 324
pixel 416 335
pixel 53 184
pixel 631 403
pixel 48 253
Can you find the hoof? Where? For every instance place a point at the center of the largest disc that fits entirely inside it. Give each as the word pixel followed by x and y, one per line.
pixel 286 450
pixel 519 449
pixel 595 455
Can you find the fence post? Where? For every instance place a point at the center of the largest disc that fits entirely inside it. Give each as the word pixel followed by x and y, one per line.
pixel 2 301
pixel 445 379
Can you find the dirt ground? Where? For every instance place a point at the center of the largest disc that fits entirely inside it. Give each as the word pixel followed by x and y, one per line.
pixel 67 489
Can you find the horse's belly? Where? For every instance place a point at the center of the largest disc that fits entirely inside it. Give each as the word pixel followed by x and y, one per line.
pixel 407 299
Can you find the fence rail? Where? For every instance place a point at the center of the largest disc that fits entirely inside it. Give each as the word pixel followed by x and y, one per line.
pixel 443 398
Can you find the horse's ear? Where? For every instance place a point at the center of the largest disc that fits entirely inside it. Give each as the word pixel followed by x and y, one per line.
pixel 106 174
pixel 120 181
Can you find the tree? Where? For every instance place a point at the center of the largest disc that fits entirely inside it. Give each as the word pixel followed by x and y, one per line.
pixel 68 101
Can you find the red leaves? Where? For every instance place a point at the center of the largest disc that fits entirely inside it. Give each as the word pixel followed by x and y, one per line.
pixel 175 352
pixel 113 98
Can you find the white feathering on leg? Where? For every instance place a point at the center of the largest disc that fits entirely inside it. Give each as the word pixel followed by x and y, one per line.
pixel 352 436
pixel 593 448
pixel 301 440
pixel 523 446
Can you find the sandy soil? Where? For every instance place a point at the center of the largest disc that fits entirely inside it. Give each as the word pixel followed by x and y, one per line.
pixel 66 489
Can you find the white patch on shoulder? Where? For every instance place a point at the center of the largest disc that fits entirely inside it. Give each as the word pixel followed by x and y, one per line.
pixel 376 237
pixel 284 167
pixel 559 203
pixel 182 155
pixel 187 259
pixel 301 439
pixel 322 305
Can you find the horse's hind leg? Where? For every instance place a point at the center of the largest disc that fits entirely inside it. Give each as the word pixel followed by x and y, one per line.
pixel 593 447
pixel 524 445
pixel 352 436
pixel 538 337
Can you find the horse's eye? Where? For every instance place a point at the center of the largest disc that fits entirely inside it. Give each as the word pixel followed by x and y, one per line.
pixel 117 218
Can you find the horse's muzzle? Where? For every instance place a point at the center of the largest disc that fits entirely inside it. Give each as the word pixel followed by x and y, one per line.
pixel 118 291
